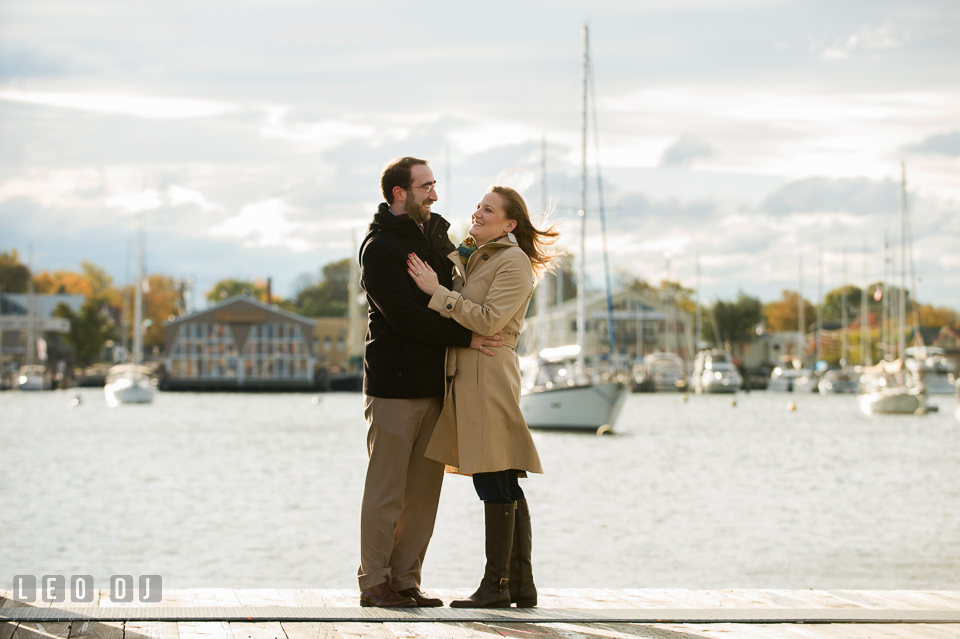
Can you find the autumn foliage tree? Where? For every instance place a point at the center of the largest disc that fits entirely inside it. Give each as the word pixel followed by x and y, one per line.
pixel 784 314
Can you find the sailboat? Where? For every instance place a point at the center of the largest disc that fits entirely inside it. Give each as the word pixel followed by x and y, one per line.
pixel 558 392
pixel 132 383
pixel 891 387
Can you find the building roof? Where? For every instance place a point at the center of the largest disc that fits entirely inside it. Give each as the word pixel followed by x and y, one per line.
pixel 43 304
pixel 247 300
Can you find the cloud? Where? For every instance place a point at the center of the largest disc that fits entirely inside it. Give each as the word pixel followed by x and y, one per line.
pixel 861 196
pixel 938 144
pixel 21 60
pixel 685 150
pixel 867 38
pixel 151 107
pixel 264 224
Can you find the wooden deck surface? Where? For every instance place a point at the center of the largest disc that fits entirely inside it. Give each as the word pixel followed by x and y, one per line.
pixel 755 601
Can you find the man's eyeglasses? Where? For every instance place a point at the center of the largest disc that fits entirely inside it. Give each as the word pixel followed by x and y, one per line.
pixel 426 187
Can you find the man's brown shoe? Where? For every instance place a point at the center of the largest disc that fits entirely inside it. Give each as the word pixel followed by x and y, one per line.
pixel 384 596
pixel 422 600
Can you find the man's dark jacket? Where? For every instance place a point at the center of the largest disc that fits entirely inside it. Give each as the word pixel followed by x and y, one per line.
pixel 405 344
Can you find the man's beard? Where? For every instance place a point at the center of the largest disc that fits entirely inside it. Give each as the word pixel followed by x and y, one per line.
pixel 416 211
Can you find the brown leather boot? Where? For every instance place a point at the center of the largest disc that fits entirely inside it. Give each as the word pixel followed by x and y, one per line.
pixel 493 591
pixel 523 592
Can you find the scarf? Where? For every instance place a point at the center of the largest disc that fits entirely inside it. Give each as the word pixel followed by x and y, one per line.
pixel 469 246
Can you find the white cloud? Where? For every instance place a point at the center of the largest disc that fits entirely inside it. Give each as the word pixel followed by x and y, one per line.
pixel 150 107
pixel 264 224
pixel 867 38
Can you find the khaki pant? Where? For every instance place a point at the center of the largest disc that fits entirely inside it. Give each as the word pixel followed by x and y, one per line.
pixel 401 492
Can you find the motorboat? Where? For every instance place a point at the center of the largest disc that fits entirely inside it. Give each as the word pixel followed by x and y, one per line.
pixel 129 384
pixel 939 372
pixel 714 372
pixel 782 379
pixel 32 377
pixel 555 394
pixel 839 381
pixel 806 381
pixel 659 372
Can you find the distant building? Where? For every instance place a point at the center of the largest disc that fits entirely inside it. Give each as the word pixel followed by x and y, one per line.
pixel 47 346
pixel 641 325
pixel 241 343
pixel 333 341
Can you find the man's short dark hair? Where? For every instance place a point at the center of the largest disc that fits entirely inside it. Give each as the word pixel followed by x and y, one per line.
pixel 397 173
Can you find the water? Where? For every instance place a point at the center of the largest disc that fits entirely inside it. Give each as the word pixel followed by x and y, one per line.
pixel 263 490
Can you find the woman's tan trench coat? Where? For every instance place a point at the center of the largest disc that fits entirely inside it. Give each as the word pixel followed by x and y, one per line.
pixel 481 429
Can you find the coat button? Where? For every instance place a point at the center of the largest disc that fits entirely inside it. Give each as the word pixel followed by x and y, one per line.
pixel 449 307
pixel 484 257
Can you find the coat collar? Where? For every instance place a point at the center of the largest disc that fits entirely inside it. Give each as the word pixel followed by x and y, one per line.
pixel 489 247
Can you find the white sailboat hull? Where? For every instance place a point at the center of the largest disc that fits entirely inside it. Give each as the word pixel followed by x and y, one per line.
pixel 128 391
pixel 574 407
pixel 893 401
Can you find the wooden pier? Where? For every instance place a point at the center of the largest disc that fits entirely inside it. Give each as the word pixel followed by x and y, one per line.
pixel 587 613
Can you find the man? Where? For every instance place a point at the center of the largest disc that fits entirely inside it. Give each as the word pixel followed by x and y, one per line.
pixel 403 385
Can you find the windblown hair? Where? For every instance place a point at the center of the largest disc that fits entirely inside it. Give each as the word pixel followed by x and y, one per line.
pixel 532 240
pixel 397 173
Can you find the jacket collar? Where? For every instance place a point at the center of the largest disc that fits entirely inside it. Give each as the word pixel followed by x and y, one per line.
pixel 385 220
pixel 489 247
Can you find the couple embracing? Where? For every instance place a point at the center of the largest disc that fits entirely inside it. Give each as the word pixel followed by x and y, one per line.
pixel 442 384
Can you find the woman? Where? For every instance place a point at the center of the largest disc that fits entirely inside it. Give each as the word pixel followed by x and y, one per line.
pixel 481 431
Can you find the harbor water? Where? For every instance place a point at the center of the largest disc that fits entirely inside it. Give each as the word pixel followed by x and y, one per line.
pixel 263 491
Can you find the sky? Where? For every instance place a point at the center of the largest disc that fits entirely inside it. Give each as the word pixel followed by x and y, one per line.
pixel 250 135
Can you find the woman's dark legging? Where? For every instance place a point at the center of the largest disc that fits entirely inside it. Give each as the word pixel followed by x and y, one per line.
pixel 501 487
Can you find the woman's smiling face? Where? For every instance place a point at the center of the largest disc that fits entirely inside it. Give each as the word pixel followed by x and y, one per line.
pixel 490 221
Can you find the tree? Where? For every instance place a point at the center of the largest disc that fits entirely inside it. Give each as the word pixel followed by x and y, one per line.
pixel 737 321
pixel 834 300
pixel 937 316
pixel 227 288
pixel 326 297
pixel 13 275
pixel 89 330
pixel 160 303
pixel 783 314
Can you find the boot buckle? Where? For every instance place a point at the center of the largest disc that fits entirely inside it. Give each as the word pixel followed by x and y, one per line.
pixel 503 583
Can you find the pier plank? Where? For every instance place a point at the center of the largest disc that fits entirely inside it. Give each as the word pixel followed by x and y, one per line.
pixel 258 630
pixel 204 630
pixel 260 597
pixel 96 630
pixel 151 630
pixel 214 597
pixel 304 630
pixel 364 631
pixel 42 631
pixel 7 629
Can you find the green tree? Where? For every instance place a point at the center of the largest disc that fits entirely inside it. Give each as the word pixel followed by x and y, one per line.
pixel 89 330
pixel 736 321
pixel 834 300
pixel 13 274
pixel 328 296
pixel 229 287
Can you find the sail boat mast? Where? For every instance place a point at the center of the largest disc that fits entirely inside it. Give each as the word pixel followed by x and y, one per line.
pixel 902 298
pixel 138 300
pixel 582 271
